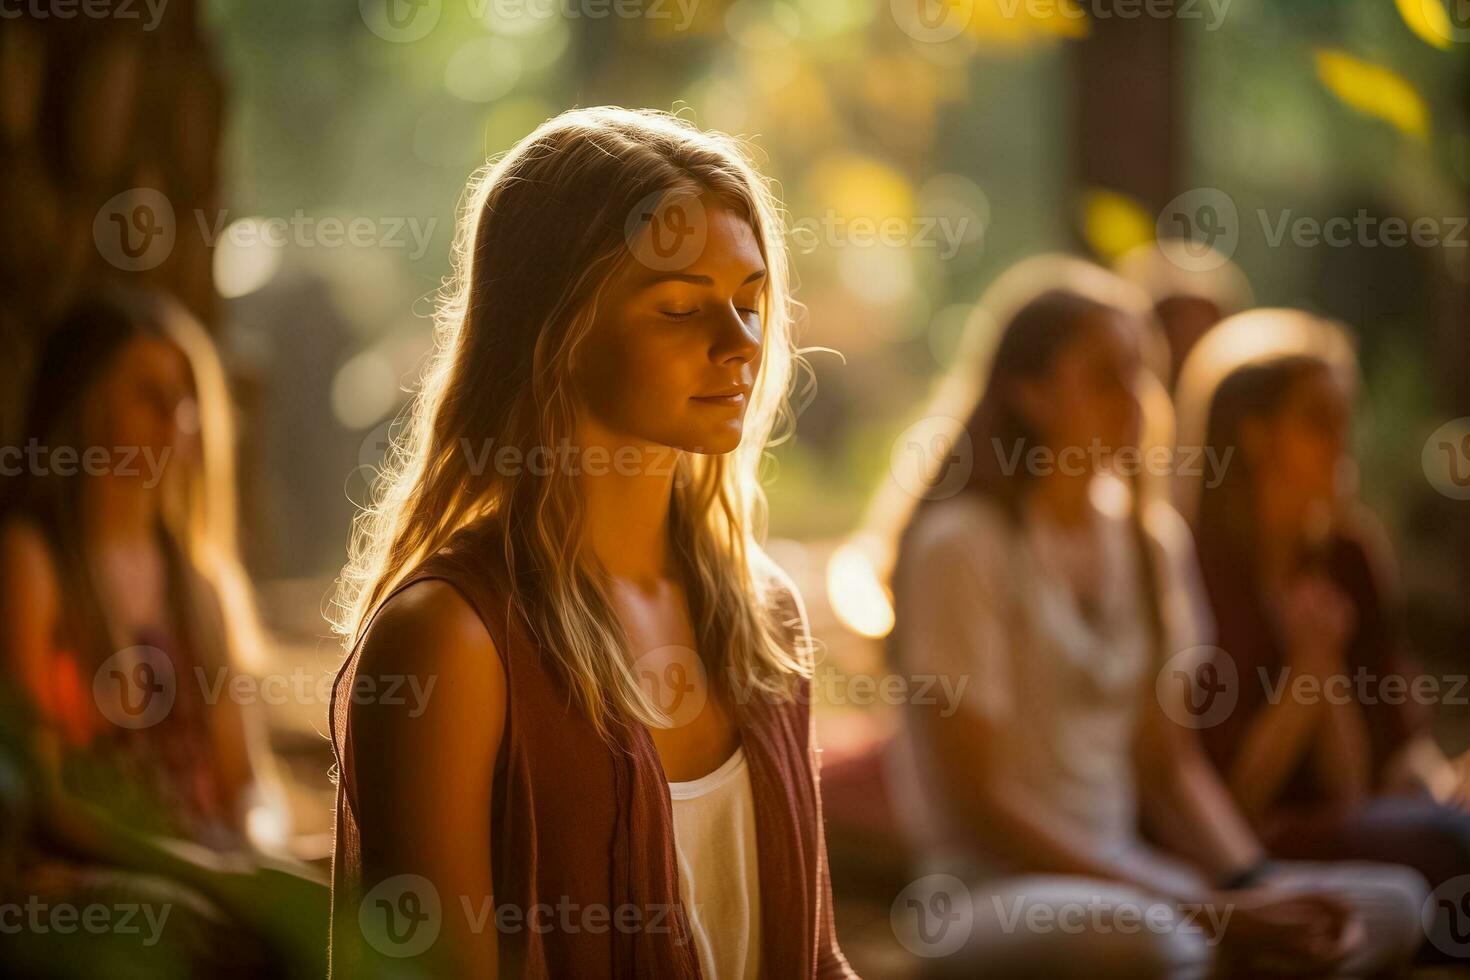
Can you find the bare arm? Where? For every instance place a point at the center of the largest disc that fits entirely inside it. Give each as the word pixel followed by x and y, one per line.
pixel 1316 619
pixel 30 608
pixel 240 739
pixel 1184 801
pixel 956 613
pixel 1271 750
pixel 1341 753
pixel 423 773
pixel 1001 815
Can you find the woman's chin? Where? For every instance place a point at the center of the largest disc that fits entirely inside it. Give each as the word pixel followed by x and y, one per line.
pixel 717 442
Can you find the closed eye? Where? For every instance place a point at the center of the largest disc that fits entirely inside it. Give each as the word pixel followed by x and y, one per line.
pixel 678 314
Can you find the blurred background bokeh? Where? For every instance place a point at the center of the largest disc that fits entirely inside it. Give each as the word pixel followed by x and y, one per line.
pixel 293 171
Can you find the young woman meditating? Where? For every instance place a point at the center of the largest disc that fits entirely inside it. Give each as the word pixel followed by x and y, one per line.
pixel 614 773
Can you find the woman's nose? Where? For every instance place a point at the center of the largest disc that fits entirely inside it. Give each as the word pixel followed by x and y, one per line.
pixel 736 338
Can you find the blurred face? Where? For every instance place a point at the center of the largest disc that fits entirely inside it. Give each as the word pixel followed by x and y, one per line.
pixel 146 400
pixel 674 351
pixel 1299 449
pixel 1090 395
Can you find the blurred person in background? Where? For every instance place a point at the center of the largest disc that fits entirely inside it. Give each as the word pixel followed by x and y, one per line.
pixel 1339 761
pixel 1060 781
pixel 1192 287
pixel 123 615
pixel 615 774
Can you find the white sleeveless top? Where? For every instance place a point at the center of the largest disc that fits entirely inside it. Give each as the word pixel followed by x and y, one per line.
pixel 986 602
pixel 719 880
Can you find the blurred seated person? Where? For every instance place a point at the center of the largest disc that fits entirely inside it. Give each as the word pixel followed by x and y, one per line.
pixel 1059 788
pixel 1192 287
pixel 1328 750
pixel 123 616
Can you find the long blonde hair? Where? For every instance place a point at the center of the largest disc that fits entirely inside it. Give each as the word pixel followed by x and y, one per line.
pixel 541 232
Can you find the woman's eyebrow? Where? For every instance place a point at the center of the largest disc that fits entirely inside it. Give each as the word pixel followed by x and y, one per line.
pixel 698 280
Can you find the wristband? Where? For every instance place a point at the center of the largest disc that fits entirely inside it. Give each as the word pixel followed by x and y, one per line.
pixel 1246 877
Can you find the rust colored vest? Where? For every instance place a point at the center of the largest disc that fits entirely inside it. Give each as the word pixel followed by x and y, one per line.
pixel 580 822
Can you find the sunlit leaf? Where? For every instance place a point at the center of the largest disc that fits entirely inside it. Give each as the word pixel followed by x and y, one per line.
pixel 853 185
pixel 1428 19
pixel 1113 223
pixel 1020 23
pixel 1374 91
pixel 1066 19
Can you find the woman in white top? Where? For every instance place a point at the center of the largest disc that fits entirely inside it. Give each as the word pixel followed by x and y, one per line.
pixel 1091 835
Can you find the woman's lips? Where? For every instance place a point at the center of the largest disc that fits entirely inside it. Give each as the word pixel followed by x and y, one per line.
pixel 731 401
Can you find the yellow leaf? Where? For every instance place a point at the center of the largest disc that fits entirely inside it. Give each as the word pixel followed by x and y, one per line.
pixel 1428 19
pixel 1374 91
pixel 1067 20
pixel 1020 23
pixel 1113 223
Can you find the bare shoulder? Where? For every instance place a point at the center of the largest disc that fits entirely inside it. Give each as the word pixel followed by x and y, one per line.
pixel 428 619
pixel 428 638
pixel 965 528
pixel 425 729
pixel 24 553
pixel 29 571
pixel 780 592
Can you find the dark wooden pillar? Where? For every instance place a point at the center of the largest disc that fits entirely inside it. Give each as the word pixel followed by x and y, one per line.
pixel 1127 121
pixel 109 149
